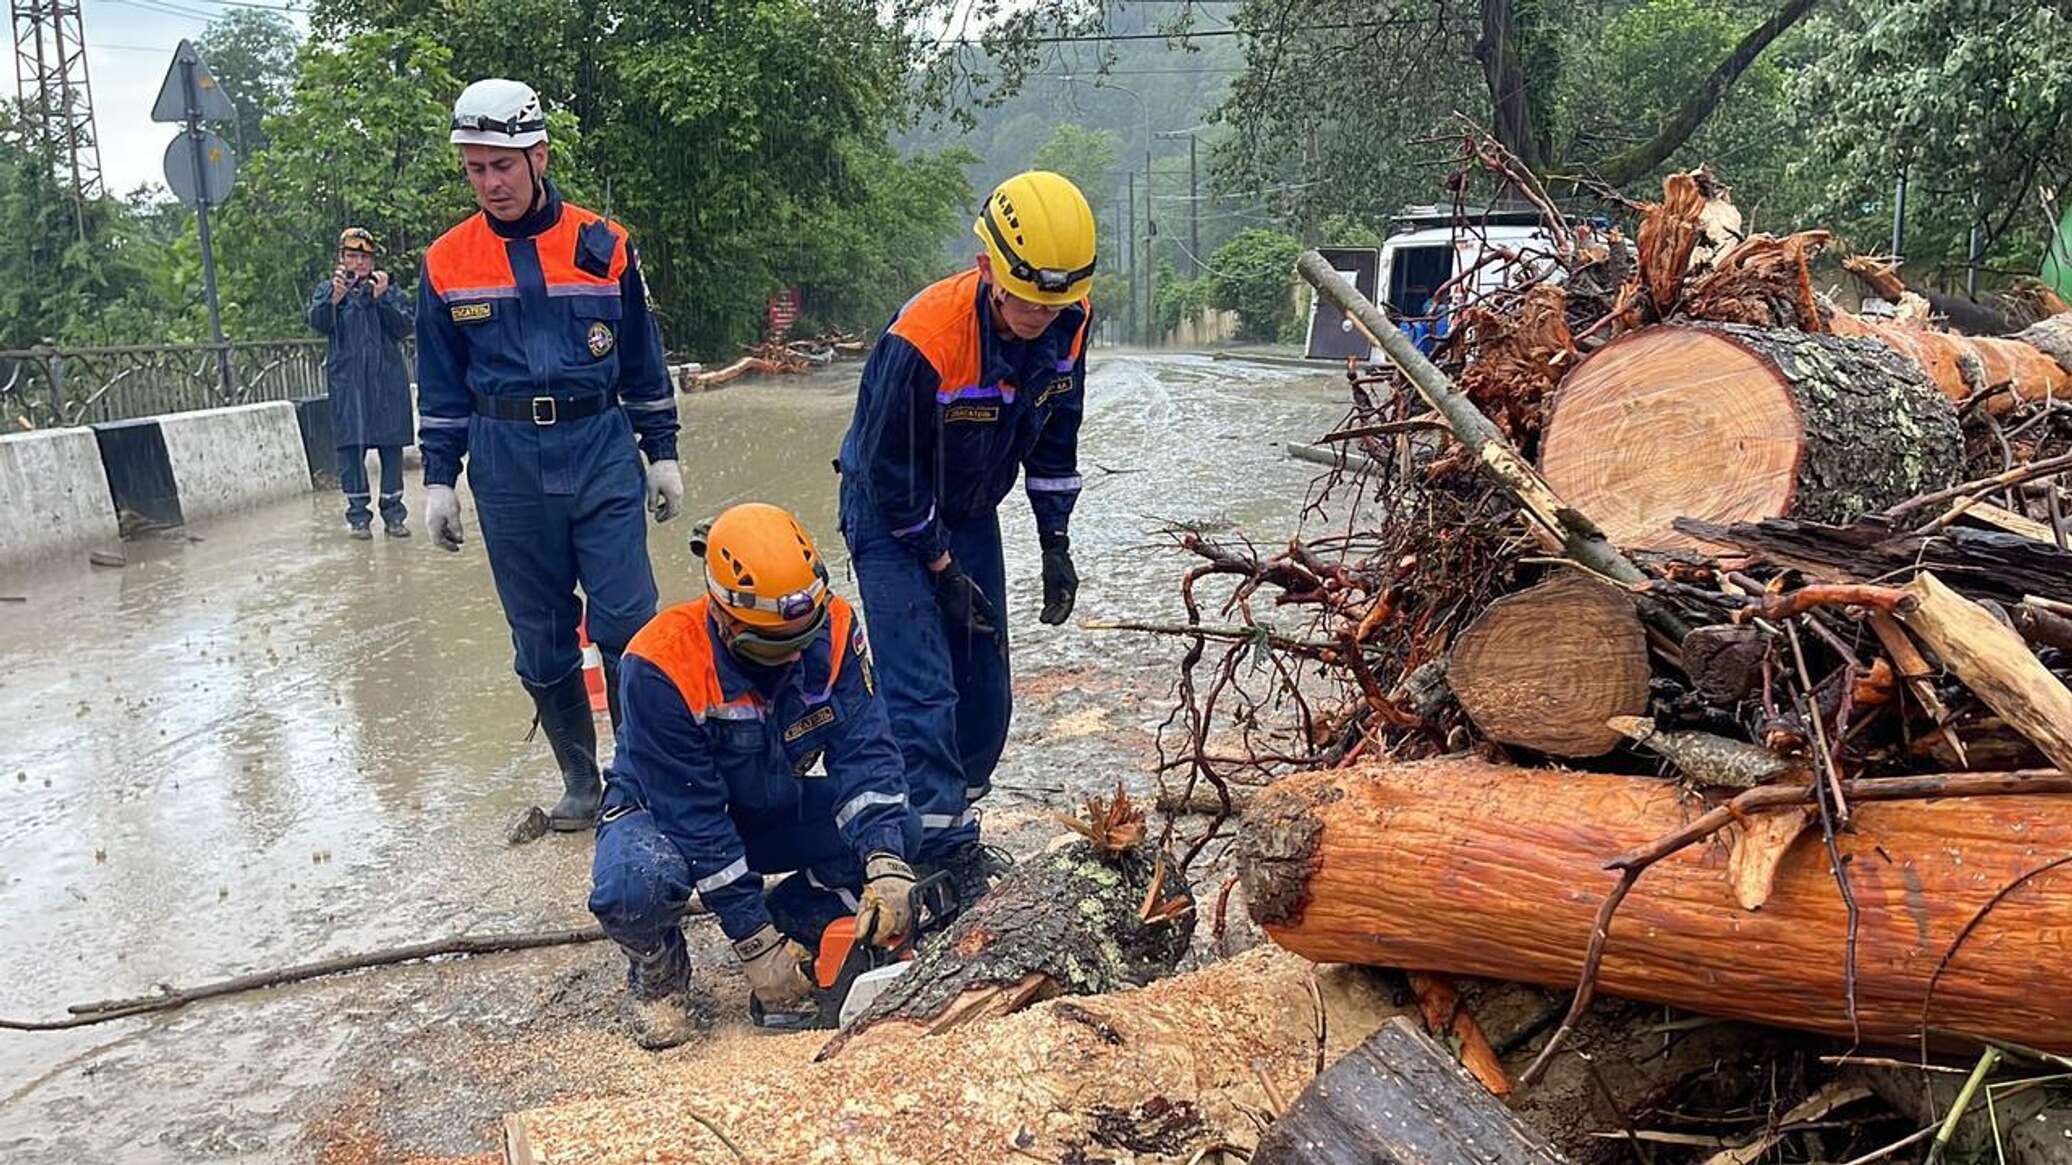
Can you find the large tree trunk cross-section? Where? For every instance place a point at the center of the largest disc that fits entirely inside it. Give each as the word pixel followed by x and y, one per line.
pixel 1726 423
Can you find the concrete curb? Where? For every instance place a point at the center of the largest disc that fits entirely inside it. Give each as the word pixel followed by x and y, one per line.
pixel 231 458
pixel 57 498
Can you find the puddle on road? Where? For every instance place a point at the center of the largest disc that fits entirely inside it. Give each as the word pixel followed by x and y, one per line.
pixel 261 743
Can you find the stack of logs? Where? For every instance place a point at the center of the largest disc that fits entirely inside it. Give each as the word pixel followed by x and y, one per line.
pixel 1793 581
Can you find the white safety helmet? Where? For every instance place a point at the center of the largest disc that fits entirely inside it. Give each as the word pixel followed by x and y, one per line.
pixel 497 112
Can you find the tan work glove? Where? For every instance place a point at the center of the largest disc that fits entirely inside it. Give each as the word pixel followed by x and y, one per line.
pixel 886 912
pixel 775 967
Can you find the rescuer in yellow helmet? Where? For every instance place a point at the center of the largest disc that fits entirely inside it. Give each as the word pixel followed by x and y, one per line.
pixel 979 379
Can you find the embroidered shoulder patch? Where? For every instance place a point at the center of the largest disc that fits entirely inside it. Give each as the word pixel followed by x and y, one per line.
pixel 470 313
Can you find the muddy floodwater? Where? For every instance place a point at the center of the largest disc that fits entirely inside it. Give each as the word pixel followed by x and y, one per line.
pixel 261 743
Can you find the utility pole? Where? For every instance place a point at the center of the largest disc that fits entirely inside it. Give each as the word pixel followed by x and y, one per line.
pixel 1193 208
pixel 1131 258
pixel 56 95
pixel 1150 255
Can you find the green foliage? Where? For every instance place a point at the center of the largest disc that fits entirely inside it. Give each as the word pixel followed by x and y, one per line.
pixel 1973 97
pixel 744 142
pixel 1252 275
pixel 59 259
pixel 1177 299
pixel 362 143
pixel 251 53
pixel 1649 57
pixel 1086 156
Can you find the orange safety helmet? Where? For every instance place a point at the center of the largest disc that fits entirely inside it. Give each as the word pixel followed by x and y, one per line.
pixel 762 568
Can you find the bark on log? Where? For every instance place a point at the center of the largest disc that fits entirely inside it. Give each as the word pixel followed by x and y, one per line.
pixel 1066 922
pixel 1546 667
pixel 1469 868
pixel 1963 366
pixel 1726 423
pixel 1398 1099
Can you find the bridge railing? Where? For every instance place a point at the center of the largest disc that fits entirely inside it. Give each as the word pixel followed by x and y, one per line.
pixel 48 387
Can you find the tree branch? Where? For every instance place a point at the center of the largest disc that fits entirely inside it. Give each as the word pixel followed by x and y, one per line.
pixel 1627 165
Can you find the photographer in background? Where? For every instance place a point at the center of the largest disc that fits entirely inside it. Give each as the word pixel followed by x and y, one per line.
pixel 365 321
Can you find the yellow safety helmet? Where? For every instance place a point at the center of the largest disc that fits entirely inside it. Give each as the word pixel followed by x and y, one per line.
pixel 357 239
pixel 1040 233
pixel 762 568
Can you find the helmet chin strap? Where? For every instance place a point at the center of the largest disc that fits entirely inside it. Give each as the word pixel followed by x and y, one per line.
pixel 539 189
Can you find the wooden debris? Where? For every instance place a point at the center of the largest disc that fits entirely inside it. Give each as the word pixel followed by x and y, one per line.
pixel 1398 1099
pixel 1070 921
pixel 1994 662
pixel 1446 1017
pixel 1052 1078
pixel 1758 848
pixel 1707 760
pixel 1726 423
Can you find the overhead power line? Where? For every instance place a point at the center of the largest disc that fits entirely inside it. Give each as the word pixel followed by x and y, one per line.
pixel 1201 34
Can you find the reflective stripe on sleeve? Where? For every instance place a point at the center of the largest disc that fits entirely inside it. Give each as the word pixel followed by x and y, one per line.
pixel 732 873
pixel 431 422
pixel 863 801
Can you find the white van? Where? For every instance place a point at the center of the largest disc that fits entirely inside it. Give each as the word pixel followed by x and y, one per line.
pixel 1430 246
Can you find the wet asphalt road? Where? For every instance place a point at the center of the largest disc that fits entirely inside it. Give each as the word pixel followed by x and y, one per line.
pixel 261 743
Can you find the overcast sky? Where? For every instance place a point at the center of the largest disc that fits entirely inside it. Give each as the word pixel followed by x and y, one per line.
pixel 129 46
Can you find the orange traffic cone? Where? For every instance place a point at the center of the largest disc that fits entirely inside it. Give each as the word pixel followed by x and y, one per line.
pixel 593 667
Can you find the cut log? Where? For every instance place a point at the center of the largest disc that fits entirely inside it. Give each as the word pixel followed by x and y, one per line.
pixel 1463 867
pixel 1546 667
pixel 1398 1099
pixel 1016 945
pixel 1962 366
pixel 1726 423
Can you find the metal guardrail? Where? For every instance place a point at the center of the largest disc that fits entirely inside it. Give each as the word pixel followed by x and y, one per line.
pixel 49 387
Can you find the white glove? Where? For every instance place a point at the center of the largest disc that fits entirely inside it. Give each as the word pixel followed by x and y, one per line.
pixel 442 517
pixel 665 490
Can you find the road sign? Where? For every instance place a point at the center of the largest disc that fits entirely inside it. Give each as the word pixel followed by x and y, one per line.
pixel 210 102
pixel 200 175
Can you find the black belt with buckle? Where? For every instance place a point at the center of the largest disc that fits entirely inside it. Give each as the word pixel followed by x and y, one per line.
pixel 543 410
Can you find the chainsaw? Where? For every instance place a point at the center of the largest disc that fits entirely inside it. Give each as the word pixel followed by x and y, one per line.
pixel 849 974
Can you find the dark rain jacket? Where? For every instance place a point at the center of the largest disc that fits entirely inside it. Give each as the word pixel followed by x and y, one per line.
pixel 363 365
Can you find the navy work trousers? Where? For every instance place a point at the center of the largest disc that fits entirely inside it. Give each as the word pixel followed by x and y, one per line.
pixel 640 886
pixel 352 478
pixel 949 693
pixel 541 545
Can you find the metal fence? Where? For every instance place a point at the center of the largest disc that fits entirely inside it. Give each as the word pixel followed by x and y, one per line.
pixel 51 387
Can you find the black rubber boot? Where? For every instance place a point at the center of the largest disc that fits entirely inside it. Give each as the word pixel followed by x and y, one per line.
pixel 564 716
pixel 610 658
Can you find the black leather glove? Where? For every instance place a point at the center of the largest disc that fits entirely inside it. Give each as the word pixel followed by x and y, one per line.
pixel 964 606
pixel 1060 578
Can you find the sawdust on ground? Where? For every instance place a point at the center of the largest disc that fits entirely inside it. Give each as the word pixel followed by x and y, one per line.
pixel 1236 1036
